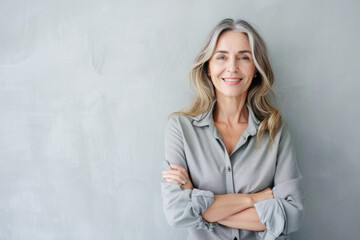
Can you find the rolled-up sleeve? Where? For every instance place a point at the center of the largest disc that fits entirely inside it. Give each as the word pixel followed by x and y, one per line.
pixel 284 213
pixel 183 208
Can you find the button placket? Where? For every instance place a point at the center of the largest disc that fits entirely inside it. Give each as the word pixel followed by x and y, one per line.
pixel 228 166
pixel 229 174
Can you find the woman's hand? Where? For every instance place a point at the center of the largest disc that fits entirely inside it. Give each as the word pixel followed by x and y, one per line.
pixel 178 175
pixel 263 195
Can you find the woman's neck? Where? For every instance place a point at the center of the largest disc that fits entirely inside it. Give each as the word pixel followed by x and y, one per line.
pixel 231 110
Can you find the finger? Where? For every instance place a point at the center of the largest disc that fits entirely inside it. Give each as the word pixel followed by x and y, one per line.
pixel 175 176
pixel 170 180
pixel 178 167
pixel 181 170
pixel 172 171
pixel 176 172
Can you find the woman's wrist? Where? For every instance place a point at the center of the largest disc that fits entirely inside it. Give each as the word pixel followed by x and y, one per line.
pixel 246 199
pixel 252 200
pixel 260 196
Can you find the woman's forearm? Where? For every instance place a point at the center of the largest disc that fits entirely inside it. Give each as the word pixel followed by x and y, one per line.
pixel 247 219
pixel 227 205
pixel 223 206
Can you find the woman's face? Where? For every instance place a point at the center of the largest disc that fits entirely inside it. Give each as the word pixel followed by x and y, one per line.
pixel 232 68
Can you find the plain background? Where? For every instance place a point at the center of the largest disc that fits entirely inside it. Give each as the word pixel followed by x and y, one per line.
pixel 86 88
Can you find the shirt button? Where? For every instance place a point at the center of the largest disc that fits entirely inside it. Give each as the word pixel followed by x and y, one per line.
pixel 228 169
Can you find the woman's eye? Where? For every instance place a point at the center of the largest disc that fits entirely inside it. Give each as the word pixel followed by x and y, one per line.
pixel 244 58
pixel 220 58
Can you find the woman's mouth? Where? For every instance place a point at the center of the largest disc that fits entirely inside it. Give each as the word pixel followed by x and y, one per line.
pixel 232 81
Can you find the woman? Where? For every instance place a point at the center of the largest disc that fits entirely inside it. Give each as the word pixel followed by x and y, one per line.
pixel 230 170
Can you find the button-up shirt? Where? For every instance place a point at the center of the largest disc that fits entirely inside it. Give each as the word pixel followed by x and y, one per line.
pixel 195 144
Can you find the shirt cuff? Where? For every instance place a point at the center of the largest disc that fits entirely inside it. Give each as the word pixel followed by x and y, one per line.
pixel 201 200
pixel 272 216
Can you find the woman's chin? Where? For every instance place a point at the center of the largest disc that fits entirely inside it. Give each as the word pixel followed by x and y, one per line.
pixel 231 94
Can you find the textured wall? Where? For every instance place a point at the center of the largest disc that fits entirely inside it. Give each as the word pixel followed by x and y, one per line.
pixel 86 86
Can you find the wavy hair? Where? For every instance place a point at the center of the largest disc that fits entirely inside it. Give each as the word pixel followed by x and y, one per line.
pixel 259 90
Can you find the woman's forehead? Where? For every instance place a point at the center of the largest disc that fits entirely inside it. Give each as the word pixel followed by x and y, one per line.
pixel 232 40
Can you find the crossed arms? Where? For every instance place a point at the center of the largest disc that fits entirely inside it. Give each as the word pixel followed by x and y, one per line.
pixel 232 210
pixel 272 212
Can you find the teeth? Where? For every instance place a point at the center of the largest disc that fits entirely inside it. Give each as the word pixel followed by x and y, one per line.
pixel 232 80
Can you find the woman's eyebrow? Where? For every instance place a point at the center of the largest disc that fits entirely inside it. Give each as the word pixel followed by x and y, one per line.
pixel 242 51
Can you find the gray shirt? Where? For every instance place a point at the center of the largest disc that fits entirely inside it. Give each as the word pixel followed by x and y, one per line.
pixel 195 144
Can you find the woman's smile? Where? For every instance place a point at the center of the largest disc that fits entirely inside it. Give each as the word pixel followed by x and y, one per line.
pixel 232 81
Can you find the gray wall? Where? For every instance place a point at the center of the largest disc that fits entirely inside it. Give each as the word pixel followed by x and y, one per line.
pixel 86 86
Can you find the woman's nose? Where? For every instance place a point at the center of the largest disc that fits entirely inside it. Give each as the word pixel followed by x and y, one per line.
pixel 232 65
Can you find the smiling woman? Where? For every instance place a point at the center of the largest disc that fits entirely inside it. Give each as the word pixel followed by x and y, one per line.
pixel 230 170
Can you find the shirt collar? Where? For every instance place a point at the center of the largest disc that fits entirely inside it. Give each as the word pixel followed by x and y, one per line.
pixel 206 119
